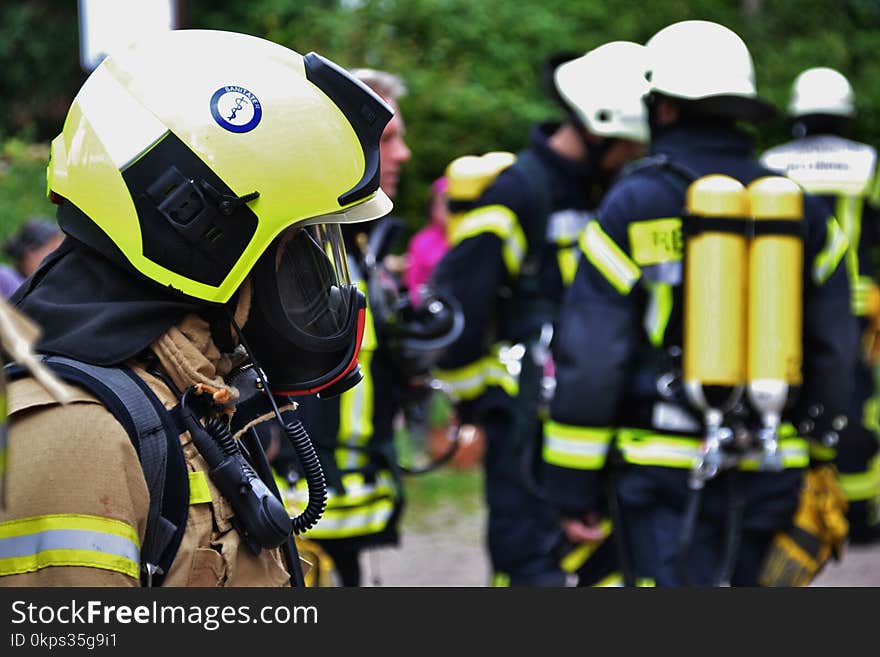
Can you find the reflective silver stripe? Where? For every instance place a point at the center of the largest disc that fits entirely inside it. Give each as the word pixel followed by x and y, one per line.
pixel 68 539
pixel 609 258
pixel 564 226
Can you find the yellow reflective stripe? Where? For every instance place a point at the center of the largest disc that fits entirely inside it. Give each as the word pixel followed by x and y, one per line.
pixel 498 220
pixel 641 448
pixel 874 193
pixel 612 580
pixel 821 452
pixel 658 312
pixel 471 380
pixel 199 492
pixel 500 580
pixel 369 341
pixel 582 448
pixel 357 491
pixel 862 486
pixel 828 258
pixel 608 258
pixel 861 290
pixel 656 241
pixel 345 523
pixel 567 258
pixel 579 555
pixel 849 216
pixel 30 544
pixel 356 418
pixel 793 451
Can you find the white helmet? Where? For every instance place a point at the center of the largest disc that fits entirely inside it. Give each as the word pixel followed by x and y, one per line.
pixel 704 61
pixel 605 87
pixel 821 90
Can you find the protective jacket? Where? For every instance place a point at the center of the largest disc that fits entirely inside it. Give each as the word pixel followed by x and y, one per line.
pixel 353 435
pixel 77 499
pixel 844 173
pixel 510 259
pixel 618 349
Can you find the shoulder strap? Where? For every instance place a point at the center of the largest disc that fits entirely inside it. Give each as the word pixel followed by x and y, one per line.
pixel 155 437
pixel 672 172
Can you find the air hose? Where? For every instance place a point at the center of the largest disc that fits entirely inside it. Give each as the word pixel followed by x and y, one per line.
pixel 314 474
pixel 686 537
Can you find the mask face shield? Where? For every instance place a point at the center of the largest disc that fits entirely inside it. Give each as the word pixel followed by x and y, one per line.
pixel 307 318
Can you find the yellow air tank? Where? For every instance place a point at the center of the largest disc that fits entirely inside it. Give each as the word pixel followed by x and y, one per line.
pixel 776 257
pixel 715 294
pixel 467 176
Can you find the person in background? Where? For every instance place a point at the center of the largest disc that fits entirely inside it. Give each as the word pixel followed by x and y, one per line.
pixel 824 162
pixel 26 248
pixel 429 244
pixel 622 410
pixel 353 433
pixel 513 252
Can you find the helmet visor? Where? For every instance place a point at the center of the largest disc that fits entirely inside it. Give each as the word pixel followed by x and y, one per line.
pixel 311 274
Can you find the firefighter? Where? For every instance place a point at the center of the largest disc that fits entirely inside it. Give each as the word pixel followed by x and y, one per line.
pixel 202 241
pixel 622 411
pixel 844 172
pixel 512 253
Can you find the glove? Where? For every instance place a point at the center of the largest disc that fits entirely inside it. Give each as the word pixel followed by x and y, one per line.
pixel 818 532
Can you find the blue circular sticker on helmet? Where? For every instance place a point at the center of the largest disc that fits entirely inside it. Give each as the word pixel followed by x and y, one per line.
pixel 236 109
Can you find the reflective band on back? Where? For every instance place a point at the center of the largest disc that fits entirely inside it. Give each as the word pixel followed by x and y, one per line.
pixel 656 241
pixel 658 312
pixel 609 258
pixel 30 544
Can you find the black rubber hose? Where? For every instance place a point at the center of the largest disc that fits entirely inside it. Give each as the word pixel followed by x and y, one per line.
pixel 733 529
pixel 314 474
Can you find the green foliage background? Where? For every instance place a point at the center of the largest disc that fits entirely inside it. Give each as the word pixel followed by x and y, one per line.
pixel 472 66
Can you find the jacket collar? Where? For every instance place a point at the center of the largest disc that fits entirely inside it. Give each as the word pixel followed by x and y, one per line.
pixel 700 137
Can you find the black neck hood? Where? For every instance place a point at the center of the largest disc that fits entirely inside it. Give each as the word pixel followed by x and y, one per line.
pixel 93 310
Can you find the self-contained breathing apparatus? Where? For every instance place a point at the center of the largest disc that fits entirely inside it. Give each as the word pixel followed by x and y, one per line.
pixel 416 335
pixel 742 346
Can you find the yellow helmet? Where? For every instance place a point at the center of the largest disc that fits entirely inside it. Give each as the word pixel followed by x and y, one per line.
pixel 187 154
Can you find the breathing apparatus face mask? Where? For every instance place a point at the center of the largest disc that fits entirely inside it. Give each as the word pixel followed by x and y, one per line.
pixel 307 318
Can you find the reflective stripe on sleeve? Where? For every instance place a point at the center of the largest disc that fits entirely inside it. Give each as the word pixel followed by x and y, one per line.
pixel 829 257
pixel 581 448
pixel 862 486
pixel 472 380
pixel 609 259
pixel 498 220
pixel 37 542
pixel 658 312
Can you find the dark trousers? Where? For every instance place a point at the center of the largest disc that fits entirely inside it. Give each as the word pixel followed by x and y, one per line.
pixel 524 534
pixel 652 539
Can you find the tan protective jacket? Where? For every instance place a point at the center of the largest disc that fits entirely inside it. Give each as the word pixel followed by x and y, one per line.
pixel 77 501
